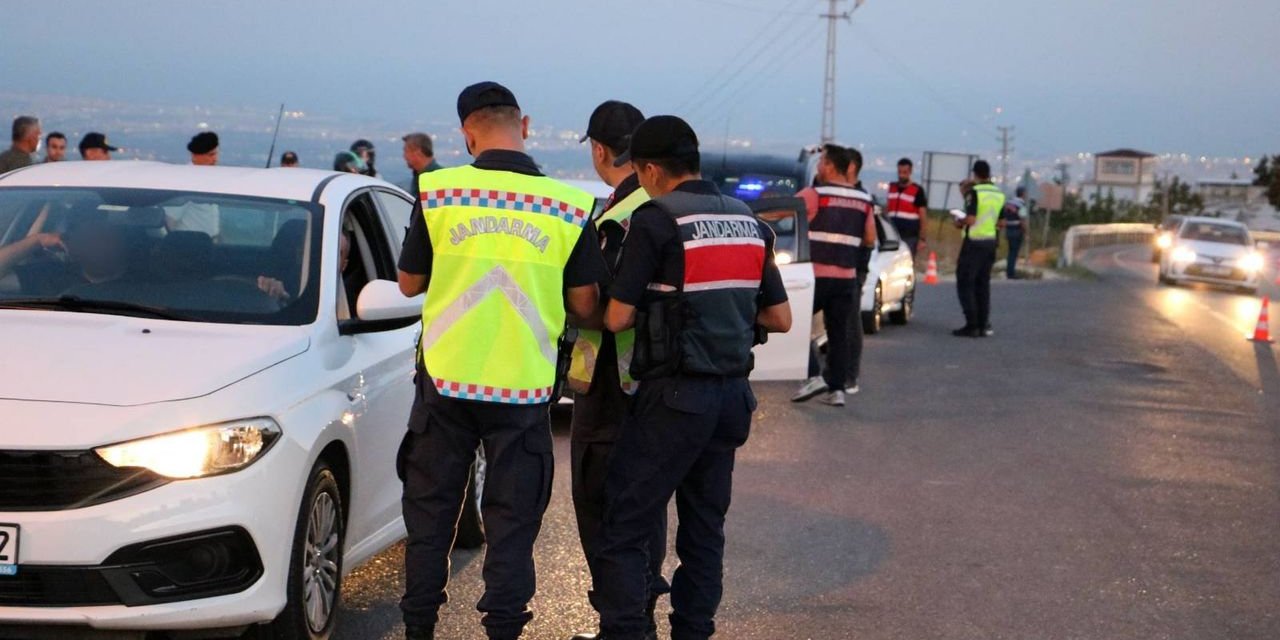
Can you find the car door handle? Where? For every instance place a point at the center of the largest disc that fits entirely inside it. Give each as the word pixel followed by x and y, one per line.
pixel 797 284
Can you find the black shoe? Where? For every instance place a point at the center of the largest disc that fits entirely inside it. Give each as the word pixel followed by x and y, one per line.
pixel 419 633
pixel 967 332
pixel 987 332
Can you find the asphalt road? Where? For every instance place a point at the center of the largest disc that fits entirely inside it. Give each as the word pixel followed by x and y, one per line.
pixel 1106 466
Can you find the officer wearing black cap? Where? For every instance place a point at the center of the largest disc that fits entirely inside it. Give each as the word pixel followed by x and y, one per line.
pixel 698 282
pixel 599 373
pixel 204 149
pixel 93 146
pixel 499 250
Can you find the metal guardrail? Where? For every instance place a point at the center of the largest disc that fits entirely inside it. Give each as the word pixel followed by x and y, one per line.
pixel 1083 237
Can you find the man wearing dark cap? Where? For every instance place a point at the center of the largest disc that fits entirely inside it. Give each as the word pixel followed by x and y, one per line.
pixel 289 159
pixel 983 203
pixel 600 371
pixel 368 154
pixel 500 251
pixel 93 146
pixel 204 149
pixel 698 282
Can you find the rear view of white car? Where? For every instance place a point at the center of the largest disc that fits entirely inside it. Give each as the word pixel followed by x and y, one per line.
pixel 1212 251
pixel 200 421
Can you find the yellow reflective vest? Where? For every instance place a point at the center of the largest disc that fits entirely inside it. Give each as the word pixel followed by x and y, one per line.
pixel 990 204
pixel 586 349
pixel 494 308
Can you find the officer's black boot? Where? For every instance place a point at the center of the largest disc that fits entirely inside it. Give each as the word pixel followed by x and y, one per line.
pixel 419 633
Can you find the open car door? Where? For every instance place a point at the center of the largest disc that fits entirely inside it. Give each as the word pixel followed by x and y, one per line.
pixel 786 355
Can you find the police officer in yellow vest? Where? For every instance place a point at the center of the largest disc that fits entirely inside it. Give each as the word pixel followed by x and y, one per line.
pixel 500 252
pixel 698 281
pixel 599 374
pixel 983 204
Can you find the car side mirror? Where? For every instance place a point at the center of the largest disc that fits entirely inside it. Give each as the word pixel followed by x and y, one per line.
pixel 381 307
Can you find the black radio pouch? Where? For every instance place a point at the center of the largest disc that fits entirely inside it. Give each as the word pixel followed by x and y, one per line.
pixel 657 349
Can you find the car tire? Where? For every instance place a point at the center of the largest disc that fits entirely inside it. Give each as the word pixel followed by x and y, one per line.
pixel 903 314
pixel 471 524
pixel 318 540
pixel 872 320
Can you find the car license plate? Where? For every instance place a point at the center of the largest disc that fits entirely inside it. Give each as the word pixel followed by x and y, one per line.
pixel 1216 271
pixel 8 549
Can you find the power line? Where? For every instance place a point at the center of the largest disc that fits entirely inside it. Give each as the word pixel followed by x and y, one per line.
pixel 784 32
pixel 723 107
pixel 748 44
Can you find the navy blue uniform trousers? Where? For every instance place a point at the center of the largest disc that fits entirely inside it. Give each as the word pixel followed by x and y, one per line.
pixel 434 462
pixel 679 438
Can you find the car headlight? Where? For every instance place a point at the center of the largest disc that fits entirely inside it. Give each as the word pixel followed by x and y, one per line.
pixel 198 452
pixel 782 257
pixel 1252 262
pixel 1184 255
pixel 1164 240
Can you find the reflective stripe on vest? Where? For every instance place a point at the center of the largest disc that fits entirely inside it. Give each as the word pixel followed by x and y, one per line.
pixel 724 255
pixel 990 204
pixel 838 225
pixel 902 202
pixel 494 308
pixel 582 368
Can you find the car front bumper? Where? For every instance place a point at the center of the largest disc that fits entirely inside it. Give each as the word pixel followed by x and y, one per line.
pixel 1228 276
pixel 97 540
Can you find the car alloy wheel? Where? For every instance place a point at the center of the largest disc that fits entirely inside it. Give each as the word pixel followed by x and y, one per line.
pixel 320 562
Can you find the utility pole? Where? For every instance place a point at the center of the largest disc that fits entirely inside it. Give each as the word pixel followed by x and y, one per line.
pixel 1005 150
pixel 829 80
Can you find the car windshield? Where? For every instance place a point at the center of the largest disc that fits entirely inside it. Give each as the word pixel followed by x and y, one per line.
pixel 1211 232
pixel 195 256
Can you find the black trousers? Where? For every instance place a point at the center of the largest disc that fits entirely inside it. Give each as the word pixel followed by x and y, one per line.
pixel 834 297
pixel 434 462
pixel 680 438
pixel 973 281
pixel 1011 261
pixel 589 468
pixel 854 368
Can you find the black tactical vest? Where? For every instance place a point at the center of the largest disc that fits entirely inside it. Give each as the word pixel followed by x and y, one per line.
pixel 836 232
pixel 706 324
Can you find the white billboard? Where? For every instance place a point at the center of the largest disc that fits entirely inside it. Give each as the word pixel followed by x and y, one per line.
pixel 941 176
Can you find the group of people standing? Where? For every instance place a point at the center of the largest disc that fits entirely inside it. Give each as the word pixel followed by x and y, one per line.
pixel 27 140
pixel 670 288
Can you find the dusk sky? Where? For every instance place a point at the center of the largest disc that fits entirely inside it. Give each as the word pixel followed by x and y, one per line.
pixel 1163 75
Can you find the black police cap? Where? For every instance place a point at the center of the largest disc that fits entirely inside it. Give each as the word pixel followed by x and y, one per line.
pixel 661 137
pixel 612 124
pixel 203 142
pixel 483 95
pixel 95 140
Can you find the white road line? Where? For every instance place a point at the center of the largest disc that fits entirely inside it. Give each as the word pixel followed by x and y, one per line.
pixel 1227 320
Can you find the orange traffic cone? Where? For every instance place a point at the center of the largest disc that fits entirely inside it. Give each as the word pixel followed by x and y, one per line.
pixel 1263 331
pixel 931 274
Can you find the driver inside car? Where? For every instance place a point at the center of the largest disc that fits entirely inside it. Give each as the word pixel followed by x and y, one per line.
pixel 94 253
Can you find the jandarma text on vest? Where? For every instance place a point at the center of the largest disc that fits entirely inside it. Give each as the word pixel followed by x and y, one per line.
pixel 725 229
pixel 500 224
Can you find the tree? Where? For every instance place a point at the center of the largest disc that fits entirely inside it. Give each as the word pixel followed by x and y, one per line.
pixel 1267 174
pixel 1182 201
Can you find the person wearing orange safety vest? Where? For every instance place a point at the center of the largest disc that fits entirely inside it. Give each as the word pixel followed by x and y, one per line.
pixel 600 371
pixel 500 252
pixel 907 207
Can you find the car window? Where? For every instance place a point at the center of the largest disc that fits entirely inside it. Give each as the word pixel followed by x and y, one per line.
pixel 221 258
pixel 397 211
pixel 1213 232
pixel 782 215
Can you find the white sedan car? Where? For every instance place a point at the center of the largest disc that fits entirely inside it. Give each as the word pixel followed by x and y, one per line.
pixel 203 399
pixel 1213 251
pixel 890 288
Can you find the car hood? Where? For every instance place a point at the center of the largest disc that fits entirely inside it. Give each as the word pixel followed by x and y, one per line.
pixel 82 358
pixel 1215 249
